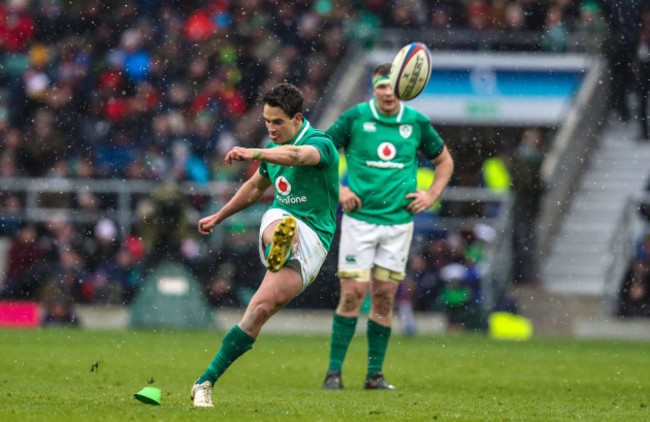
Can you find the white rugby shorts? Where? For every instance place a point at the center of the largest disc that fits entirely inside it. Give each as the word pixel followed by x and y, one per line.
pixel 310 254
pixel 365 246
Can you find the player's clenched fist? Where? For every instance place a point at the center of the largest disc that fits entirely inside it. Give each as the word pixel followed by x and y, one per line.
pixel 238 154
pixel 206 224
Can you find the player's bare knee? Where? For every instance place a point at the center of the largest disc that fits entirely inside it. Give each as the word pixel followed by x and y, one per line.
pixel 382 296
pixel 382 308
pixel 382 302
pixel 350 300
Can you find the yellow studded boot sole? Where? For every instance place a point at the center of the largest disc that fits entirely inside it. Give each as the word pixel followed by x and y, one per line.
pixel 281 244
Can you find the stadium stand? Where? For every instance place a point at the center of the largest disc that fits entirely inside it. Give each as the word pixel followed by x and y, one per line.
pixel 115 116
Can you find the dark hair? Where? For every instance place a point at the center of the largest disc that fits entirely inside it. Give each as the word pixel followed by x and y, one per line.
pixel 284 95
pixel 382 69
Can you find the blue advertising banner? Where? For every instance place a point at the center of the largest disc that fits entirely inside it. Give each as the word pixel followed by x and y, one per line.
pixel 499 88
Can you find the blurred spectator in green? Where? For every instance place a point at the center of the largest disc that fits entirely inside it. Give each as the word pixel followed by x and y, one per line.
pixel 590 29
pixel 528 189
pixel 463 313
pixel 555 32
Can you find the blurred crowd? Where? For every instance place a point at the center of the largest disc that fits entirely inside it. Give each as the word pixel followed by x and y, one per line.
pixel 444 275
pixel 147 89
pixel 160 90
pixel 634 297
pixel 139 89
pixel 555 18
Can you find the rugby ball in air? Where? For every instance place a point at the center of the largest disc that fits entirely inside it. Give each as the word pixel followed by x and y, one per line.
pixel 410 71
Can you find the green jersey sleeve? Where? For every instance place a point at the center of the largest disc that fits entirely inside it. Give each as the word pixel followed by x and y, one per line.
pixel 326 149
pixel 263 170
pixel 431 143
pixel 342 128
pixel 327 154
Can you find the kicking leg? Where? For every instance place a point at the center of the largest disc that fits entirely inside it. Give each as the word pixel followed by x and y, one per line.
pixel 276 290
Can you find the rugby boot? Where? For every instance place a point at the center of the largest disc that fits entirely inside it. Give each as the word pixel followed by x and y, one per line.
pixel 333 381
pixel 281 244
pixel 376 381
pixel 202 394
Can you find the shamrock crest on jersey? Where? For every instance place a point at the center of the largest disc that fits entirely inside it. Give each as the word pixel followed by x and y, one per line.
pixel 386 151
pixel 405 131
pixel 282 185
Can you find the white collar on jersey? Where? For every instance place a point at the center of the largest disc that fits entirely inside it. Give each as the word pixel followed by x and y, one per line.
pixel 305 127
pixel 375 112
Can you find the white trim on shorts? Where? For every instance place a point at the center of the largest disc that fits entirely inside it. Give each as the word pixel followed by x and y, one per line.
pixel 310 254
pixel 364 246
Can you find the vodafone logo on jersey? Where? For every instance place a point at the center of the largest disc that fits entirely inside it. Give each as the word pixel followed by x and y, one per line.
pixel 386 151
pixel 283 186
pixel 283 189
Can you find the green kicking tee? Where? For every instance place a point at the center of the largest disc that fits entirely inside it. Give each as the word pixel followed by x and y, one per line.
pixel 382 158
pixel 310 193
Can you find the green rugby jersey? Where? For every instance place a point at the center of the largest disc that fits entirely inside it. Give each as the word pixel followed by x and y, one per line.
pixel 310 193
pixel 382 157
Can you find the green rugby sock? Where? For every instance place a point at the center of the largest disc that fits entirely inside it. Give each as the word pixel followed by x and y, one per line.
pixel 343 329
pixel 233 345
pixel 378 336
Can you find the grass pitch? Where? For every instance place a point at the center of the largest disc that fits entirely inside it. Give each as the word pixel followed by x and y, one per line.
pixel 75 375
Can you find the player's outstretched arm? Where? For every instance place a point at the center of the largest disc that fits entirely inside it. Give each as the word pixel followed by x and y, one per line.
pixel 283 155
pixel 291 155
pixel 249 193
pixel 423 200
